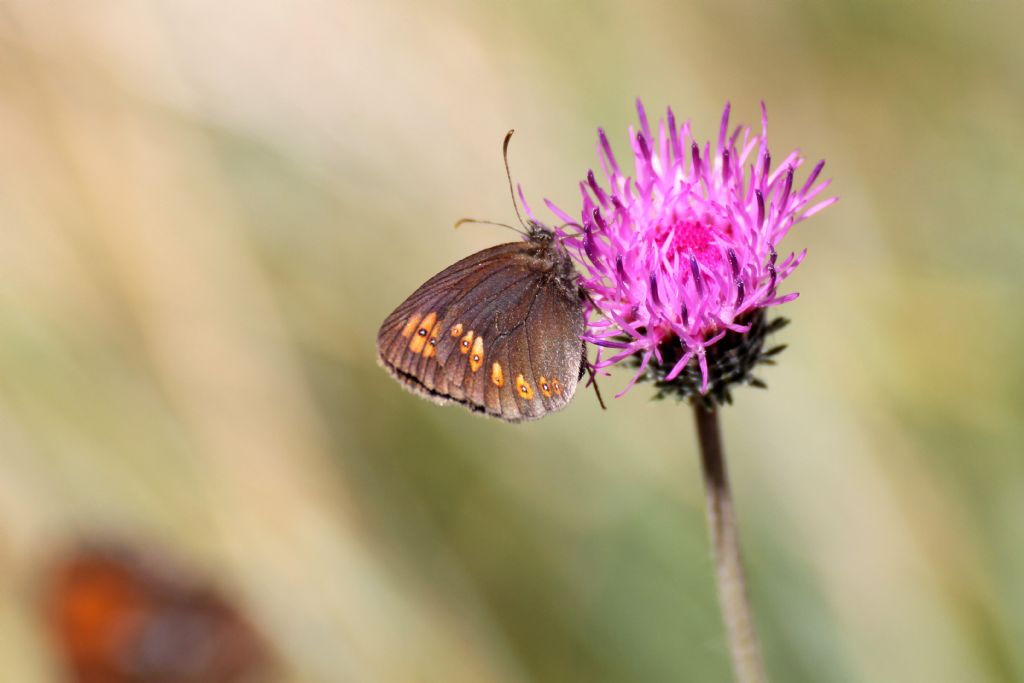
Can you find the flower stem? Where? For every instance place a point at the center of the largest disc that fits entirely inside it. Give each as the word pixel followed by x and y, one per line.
pixel 744 649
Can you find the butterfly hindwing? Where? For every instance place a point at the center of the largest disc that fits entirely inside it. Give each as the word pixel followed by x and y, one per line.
pixel 555 359
pixel 498 332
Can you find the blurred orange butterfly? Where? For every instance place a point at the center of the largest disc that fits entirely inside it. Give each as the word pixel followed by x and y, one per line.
pixel 116 618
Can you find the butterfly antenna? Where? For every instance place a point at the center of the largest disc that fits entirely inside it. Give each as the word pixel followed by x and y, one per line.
pixel 570 225
pixel 461 221
pixel 508 175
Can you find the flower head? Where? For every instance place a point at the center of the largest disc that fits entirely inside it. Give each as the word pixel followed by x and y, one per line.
pixel 680 261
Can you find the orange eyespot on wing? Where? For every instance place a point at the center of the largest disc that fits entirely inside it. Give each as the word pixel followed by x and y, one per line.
pixel 476 360
pixel 523 388
pixel 457 330
pixel 545 388
pixel 497 375
pixel 431 348
pixel 556 388
pixel 425 328
pixel 466 343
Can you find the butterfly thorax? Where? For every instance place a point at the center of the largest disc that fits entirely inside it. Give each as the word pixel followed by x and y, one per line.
pixel 552 257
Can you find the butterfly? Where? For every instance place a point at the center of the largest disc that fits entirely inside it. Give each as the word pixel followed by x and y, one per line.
pixel 116 616
pixel 497 332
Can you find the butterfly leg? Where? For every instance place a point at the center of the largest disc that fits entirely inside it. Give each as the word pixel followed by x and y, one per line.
pixel 587 367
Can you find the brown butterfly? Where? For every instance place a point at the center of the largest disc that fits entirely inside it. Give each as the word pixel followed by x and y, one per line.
pixel 117 618
pixel 498 332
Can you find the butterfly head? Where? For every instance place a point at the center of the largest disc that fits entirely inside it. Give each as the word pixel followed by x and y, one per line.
pixel 538 232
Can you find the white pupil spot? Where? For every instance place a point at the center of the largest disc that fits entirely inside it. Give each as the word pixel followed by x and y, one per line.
pixel 545 386
pixel 422 332
pixel 476 357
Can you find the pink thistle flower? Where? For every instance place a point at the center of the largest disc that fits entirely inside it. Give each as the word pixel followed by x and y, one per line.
pixel 680 262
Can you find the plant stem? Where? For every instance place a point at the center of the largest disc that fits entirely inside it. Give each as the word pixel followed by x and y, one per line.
pixel 744 649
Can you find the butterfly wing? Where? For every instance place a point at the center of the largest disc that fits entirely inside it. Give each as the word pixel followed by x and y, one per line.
pixel 498 332
pixel 118 618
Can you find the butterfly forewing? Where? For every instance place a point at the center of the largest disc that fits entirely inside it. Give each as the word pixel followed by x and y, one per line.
pixel 417 339
pixel 498 332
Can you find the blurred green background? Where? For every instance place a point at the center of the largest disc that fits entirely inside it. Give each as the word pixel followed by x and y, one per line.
pixel 207 208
